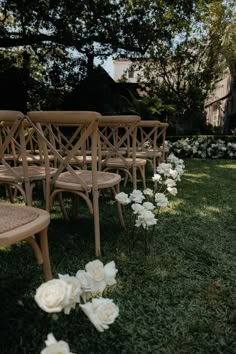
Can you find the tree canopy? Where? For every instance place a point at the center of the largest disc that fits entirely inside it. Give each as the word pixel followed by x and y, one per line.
pixel 183 41
pixel 103 26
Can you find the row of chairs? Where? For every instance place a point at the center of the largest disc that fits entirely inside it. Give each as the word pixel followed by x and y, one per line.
pixel 82 153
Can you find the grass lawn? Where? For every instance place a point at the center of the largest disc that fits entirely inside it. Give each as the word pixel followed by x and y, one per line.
pixel 180 298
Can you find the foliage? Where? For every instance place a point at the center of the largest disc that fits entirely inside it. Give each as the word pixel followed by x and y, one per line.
pixel 147 107
pixel 63 37
pixel 183 72
pixel 207 147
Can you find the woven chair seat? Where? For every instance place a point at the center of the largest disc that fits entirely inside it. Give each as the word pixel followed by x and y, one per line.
pixel 148 153
pixel 81 160
pixel 18 223
pixel 119 163
pixel 104 180
pixel 34 173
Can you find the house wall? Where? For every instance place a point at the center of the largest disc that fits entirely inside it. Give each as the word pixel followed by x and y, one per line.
pixel 219 103
pixel 122 69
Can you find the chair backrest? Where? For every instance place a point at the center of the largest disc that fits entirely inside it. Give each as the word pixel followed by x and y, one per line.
pixel 67 134
pixel 151 135
pixel 117 138
pixel 10 122
pixel 13 152
pixel 117 134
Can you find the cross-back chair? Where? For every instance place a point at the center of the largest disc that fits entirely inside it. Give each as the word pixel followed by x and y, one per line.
pixel 117 137
pixel 71 130
pixel 151 141
pixel 19 169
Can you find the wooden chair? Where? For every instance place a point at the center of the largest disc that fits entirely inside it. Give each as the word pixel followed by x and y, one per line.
pixel 19 169
pixel 151 141
pixel 77 127
pixel 18 223
pixel 117 137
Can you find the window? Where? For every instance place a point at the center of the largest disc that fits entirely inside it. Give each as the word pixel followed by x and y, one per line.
pixel 131 73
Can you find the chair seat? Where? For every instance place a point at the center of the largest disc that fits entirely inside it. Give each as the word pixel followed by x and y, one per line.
pixel 104 180
pixel 18 222
pixel 37 158
pixel 117 162
pixel 148 153
pixel 80 160
pixel 34 172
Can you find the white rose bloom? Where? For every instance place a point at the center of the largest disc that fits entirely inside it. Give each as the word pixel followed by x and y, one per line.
pixel 137 208
pixel 170 182
pixel 122 198
pixel 95 269
pixel 146 219
pixel 148 192
pixel 96 276
pixel 101 312
pixel 172 190
pixel 55 347
pixel 179 169
pixel 110 273
pixel 136 196
pixel 161 200
pixel 54 295
pixel 173 173
pixel 164 168
pixel 85 285
pixel 76 291
pixel 148 206
pixel 156 177
pixel 172 158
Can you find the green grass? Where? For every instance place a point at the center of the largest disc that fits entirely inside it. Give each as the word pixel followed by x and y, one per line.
pixel 181 298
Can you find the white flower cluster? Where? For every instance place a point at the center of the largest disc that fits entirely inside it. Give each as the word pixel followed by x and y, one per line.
pixel 199 147
pixel 63 294
pixel 146 204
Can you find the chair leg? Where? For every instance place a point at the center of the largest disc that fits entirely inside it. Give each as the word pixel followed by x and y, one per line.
pixel 96 223
pixel 116 190
pixel 43 235
pixel 143 175
pixel 37 251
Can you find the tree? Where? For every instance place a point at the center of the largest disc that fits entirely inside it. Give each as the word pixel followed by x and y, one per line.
pixel 64 36
pixel 183 71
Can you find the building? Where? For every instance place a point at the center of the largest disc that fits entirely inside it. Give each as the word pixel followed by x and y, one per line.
pixel 124 71
pixel 220 106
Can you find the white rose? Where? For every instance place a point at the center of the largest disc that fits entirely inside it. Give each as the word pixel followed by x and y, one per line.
pixel 156 177
pixel 53 296
pixel 122 198
pixel 146 219
pixel 96 276
pixel 161 200
pixel 110 273
pixel 136 196
pixel 101 312
pixel 55 347
pixel 170 182
pixel 76 291
pixel 172 191
pixel 137 208
pixel 173 173
pixel 148 206
pixel 85 285
pixel 95 269
pixel 164 168
pixel 148 192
